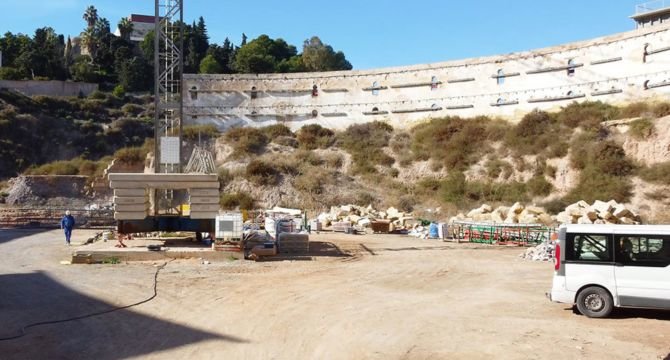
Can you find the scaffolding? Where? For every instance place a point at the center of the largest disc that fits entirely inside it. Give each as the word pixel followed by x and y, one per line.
pixel 502 234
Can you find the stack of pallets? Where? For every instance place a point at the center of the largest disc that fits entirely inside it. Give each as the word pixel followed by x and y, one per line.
pixel 293 243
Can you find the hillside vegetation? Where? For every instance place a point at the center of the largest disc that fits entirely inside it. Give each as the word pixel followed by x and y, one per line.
pixel 550 159
pixel 40 130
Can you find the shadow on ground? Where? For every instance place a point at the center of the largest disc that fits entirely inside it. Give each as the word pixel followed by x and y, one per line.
pixel 630 313
pixel 36 297
pixel 328 249
pixel 10 234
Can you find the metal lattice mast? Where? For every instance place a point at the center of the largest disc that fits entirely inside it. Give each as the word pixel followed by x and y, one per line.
pixel 168 64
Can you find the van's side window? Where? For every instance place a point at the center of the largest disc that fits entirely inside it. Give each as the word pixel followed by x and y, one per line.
pixel 590 247
pixel 640 250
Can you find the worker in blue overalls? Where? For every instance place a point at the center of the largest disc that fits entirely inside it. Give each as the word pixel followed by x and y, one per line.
pixel 67 223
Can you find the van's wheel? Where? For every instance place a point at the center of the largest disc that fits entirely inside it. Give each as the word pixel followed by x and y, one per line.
pixel 595 302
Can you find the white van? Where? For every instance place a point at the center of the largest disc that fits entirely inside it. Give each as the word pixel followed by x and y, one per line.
pixel 598 267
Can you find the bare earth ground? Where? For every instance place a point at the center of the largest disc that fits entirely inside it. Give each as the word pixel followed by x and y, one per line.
pixel 389 297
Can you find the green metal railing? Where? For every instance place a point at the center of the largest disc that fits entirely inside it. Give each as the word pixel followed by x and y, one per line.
pixel 502 234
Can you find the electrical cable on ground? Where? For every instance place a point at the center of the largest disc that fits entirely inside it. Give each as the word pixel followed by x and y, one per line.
pixel 23 329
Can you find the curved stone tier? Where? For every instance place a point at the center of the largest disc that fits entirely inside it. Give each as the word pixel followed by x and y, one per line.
pixel 616 69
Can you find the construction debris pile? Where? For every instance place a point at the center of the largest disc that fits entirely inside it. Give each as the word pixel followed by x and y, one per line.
pixel 515 214
pixel 599 212
pixel 342 218
pixel 542 252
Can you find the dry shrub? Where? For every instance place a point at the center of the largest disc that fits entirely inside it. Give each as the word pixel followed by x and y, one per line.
pixel 246 141
pixel 641 129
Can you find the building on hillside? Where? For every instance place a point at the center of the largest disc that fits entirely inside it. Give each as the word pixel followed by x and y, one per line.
pixel 142 25
pixel 616 69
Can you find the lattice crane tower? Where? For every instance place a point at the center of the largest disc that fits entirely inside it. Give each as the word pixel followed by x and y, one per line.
pixel 169 69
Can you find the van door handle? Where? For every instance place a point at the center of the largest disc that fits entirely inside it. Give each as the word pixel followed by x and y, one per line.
pixel 618 264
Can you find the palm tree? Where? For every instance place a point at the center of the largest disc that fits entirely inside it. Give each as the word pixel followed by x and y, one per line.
pixel 102 27
pixel 90 42
pixel 91 16
pixel 125 28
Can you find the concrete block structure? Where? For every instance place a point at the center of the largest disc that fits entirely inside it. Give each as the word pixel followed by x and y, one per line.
pixel 616 69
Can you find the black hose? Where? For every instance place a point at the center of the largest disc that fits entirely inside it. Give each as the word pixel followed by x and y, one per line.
pixel 23 329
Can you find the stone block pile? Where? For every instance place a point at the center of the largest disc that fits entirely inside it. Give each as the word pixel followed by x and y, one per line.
pixel 363 217
pixel 515 214
pixel 599 212
pixel 542 252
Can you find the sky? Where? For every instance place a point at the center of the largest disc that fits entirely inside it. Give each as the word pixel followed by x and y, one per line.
pixel 371 33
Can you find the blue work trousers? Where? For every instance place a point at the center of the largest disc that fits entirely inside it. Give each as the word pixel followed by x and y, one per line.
pixel 68 233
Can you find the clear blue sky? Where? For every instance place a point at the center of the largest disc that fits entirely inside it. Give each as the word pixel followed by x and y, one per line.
pixel 371 33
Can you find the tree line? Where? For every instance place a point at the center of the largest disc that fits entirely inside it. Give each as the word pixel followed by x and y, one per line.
pixel 117 62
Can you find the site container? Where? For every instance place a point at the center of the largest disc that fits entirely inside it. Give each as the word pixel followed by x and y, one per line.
pixel 229 226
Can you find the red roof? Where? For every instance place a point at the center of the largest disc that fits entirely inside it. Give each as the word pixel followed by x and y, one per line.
pixel 142 18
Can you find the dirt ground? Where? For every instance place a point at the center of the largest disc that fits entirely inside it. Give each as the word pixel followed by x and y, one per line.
pixel 363 297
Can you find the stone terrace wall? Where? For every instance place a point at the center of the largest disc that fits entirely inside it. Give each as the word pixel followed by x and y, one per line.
pixel 616 69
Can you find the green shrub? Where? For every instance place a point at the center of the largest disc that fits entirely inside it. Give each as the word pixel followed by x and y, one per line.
pixel 307 157
pixel 286 141
pixel 333 160
pixel 131 155
pixel 56 168
pixel 595 185
pixel 260 172
pixel 119 91
pixel 246 140
pixel 534 134
pixel 406 203
pixel 496 167
pixel 97 95
pixel 76 166
pixel 661 109
pixel 657 173
pixel 539 186
pixel 239 200
pixel 606 157
pixel 635 109
pixel 313 182
pixel 315 136
pixel 9 73
pixel 555 206
pixel 365 143
pixel 453 188
pixel 587 115
pixel 131 110
pixel 454 142
pixel 401 142
pixel 641 129
pixel 277 130
pixel 200 132
pixel 225 177
pixel 550 171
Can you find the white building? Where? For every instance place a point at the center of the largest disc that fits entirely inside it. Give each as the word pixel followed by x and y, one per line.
pixel 142 25
pixel 616 69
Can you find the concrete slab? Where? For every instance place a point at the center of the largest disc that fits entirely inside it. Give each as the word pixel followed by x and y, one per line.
pixel 137 251
pixel 130 215
pixel 198 208
pixel 204 192
pixel 130 192
pixel 172 185
pixel 162 177
pixel 204 200
pixel 131 207
pixel 126 200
